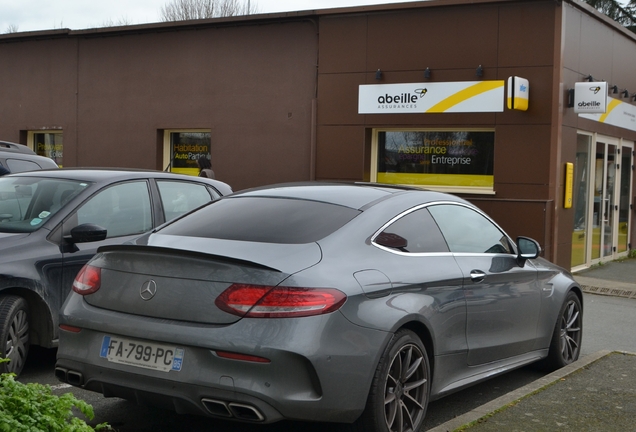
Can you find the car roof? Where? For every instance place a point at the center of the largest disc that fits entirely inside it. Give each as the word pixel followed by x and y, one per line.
pixel 99 175
pixel 355 195
pixel 11 147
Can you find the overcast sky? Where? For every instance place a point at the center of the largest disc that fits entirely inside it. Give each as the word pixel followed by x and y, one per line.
pixel 30 15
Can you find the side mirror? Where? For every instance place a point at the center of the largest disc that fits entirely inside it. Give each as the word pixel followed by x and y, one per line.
pixel 88 232
pixel 528 249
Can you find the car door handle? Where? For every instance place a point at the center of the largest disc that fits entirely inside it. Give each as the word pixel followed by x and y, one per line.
pixel 477 275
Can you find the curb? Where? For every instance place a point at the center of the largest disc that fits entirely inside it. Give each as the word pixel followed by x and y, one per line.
pixel 518 394
pixel 626 292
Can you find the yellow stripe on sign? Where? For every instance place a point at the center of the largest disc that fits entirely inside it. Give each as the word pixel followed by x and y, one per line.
pixel 465 94
pixel 610 106
pixel 462 180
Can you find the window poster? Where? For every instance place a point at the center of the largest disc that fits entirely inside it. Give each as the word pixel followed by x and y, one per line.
pixel 49 145
pixel 436 158
pixel 186 148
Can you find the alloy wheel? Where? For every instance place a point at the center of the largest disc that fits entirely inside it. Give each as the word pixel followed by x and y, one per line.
pixel 17 341
pixel 571 332
pixel 406 390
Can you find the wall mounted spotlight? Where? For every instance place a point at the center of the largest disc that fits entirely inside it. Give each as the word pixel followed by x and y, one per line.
pixel 427 73
pixel 480 71
pixel 378 74
pixel 590 78
pixel 614 89
pixel 634 98
pixel 625 93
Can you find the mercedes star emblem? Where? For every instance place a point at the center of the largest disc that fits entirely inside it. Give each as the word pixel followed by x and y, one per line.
pixel 148 290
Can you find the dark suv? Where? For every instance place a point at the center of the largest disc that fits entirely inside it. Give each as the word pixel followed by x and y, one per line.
pixel 19 158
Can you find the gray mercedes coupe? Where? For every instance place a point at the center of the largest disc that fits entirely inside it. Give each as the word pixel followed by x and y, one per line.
pixel 348 303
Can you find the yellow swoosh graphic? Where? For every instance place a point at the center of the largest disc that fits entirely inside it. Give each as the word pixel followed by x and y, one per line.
pixel 467 93
pixel 613 104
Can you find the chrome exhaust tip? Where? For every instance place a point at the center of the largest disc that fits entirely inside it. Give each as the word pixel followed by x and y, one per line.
pixel 74 378
pixel 246 412
pixel 60 374
pixel 239 411
pixel 216 407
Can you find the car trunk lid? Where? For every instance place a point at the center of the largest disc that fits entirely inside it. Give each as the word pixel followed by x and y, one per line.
pixel 179 284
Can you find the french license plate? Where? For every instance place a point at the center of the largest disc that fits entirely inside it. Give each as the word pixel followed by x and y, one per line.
pixel 143 354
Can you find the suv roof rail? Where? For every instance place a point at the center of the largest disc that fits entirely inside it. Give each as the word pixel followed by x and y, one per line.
pixel 18 148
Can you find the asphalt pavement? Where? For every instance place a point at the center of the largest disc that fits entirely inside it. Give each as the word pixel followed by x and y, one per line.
pixel 595 393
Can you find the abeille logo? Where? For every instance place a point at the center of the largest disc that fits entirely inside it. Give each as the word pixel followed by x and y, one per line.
pixel 403 97
pixel 595 89
pixel 421 92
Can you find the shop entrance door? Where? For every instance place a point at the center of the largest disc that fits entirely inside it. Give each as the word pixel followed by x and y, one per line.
pixel 625 204
pixel 610 210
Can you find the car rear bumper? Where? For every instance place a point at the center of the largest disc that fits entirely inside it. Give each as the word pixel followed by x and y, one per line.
pixel 309 377
pixel 182 398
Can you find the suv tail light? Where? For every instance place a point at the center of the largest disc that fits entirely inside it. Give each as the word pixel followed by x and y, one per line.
pixel 88 280
pixel 257 301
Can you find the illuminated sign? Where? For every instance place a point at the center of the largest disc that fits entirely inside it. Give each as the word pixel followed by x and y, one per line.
pixel 590 97
pixel 444 97
pixel 518 93
pixel 618 113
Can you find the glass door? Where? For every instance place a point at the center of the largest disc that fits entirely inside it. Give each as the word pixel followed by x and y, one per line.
pixel 580 197
pixel 602 199
pixel 624 198
pixel 612 199
pixel 608 245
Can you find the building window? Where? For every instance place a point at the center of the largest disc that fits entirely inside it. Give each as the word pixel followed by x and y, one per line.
pixel 49 144
pixel 183 148
pixel 459 161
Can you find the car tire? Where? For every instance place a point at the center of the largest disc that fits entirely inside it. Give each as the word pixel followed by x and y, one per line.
pixel 14 333
pixel 565 346
pixel 400 389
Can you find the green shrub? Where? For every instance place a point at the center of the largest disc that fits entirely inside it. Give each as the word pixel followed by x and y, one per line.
pixel 32 407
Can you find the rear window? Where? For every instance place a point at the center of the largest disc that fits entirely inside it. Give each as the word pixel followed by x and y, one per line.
pixel 264 220
pixel 20 165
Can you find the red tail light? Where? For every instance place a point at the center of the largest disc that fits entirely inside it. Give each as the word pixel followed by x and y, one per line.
pixel 88 280
pixel 256 301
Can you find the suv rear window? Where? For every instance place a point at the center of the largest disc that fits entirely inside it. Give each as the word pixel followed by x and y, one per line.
pixel 20 165
pixel 264 220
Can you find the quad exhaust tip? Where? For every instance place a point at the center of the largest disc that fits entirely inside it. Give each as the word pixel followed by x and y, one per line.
pixel 236 410
pixel 69 376
pixel 215 407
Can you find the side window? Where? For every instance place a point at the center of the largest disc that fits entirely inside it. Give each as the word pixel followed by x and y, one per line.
pixel 180 197
pixel 466 230
pixel 415 232
pixel 123 209
pixel 20 165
